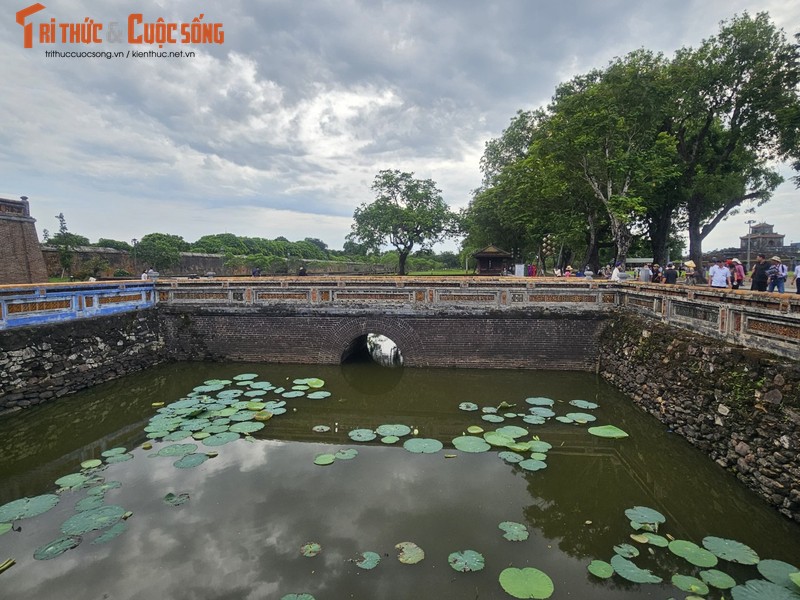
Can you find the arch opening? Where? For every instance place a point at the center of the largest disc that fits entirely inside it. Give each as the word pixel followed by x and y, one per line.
pixel 373 347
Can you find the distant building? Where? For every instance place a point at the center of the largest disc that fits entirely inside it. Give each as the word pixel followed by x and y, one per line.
pixel 21 258
pixel 492 260
pixel 762 239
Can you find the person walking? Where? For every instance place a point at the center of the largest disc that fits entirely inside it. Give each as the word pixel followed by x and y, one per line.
pixel 759 277
pixel 777 275
pixel 797 276
pixel 719 274
pixel 670 274
pixel 737 272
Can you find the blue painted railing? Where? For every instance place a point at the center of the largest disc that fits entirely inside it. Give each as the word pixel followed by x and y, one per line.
pixel 48 303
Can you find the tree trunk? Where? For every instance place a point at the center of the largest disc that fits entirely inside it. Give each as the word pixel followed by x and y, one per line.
pixel 622 237
pixel 592 257
pixel 660 225
pixel 401 264
pixel 696 249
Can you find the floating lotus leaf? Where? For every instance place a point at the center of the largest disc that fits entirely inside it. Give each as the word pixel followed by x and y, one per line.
pixel 256 406
pixel 300 388
pixel 398 430
pixel 795 577
pixel 197 424
pixel 778 572
pixel 520 446
pixel 510 415
pixel 191 460
pixel 279 390
pixel 265 415
pixel 495 438
pixel 542 411
pixel 512 431
pixel 493 418
pixel 56 547
pixel 217 382
pixel 514 532
pixel 247 427
pixel 261 385
pixel 601 569
pixel 90 520
pixel 214 429
pixel 540 401
pixel 579 417
pixel 759 589
pixel 410 553
pixel 255 393
pixel 642 514
pixel 423 445
pixel 118 458
pixel 689 584
pixel 157 435
pixel 220 439
pixel 390 439
pixel 297 597
pixel 469 443
pixel 563 419
pixel 526 583
pixel 717 579
pixel 489 410
pixel 318 395
pixel 320 429
pixel 310 549
pixel 203 389
pixel 176 499
pixel 89 503
pixel 730 550
pixel 368 560
pixel 627 570
pixel 532 464
pixel 177 436
pixel 362 435
pixel 468 406
pixel 656 540
pixel 245 377
pixel 324 459
pixel 473 429
pixel 583 404
pixel 227 412
pixel 539 446
pixel 535 419
pixel 92 463
pixel 538 456
pixel 245 415
pixel 293 394
pixel 346 454
pixel 607 431
pixel 511 457
pixel 177 450
pixel 693 553
pixel 25 508
pixel 73 481
pixel 5 528
pixel 100 490
pixel 113 452
pixel 111 533
pixel 313 382
pixel 466 561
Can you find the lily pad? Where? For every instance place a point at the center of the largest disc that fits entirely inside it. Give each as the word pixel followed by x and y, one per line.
pixel 318 395
pixel 346 454
pixel 778 572
pixel 759 589
pixel 643 514
pixel 466 561
pixel 526 583
pixel 310 549
pixel 56 547
pixel 25 508
pixel 314 382
pixel 700 557
pixel 563 419
pixel 118 458
pixel 90 520
pixel 514 532
pixel 512 431
pixel 320 429
pixel 469 443
pixel 362 435
pixel 468 406
pixel 5 528
pixel 423 445
pixel 73 481
pixel 368 560
pixel 398 430
pixel 542 411
pixel 535 420
pixel 92 463
pixel 539 446
pixel 627 570
pixel 717 579
pixel 113 452
pixel 532 464
pixel 293 394
pixel 474 429
pixel 89 503
pixel 245 377
pixel 220 439
pixel 601 569
pixel 100 490
pixel 390 439
pixel 177 436
pixel 177 450
pixel 689 584
pixel 191 460
pixel 410 553
pixel 607 431
pixel 511 457
pixel 583 404
pixel 111 533
pixel 579 417
pixel 489 410
pixel 324 459
pixel 493 418
pixel 540 401
pixel 731 550
pixel 653 539
pixel 176 499
pixel 626 551
pixel 247 427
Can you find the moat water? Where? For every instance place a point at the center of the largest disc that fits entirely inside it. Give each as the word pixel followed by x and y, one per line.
pixel 252 507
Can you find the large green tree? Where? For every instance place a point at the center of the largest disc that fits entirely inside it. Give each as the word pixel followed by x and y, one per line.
pixel 161 250
pixel 407 212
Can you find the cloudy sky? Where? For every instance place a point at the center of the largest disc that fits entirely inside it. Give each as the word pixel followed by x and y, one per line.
pixel 280 129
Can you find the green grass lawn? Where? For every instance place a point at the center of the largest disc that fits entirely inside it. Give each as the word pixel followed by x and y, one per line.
pixel 440 272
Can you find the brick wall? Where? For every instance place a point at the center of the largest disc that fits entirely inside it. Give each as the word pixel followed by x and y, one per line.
pixel 533 339
pixel 20 256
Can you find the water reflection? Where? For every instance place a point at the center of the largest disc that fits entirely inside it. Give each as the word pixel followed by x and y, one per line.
pixel 253 506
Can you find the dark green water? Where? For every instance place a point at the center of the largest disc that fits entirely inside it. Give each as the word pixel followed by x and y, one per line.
pixel 257 503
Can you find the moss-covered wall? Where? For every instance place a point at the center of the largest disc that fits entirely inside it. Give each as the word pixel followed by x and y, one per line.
pixel 741 407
